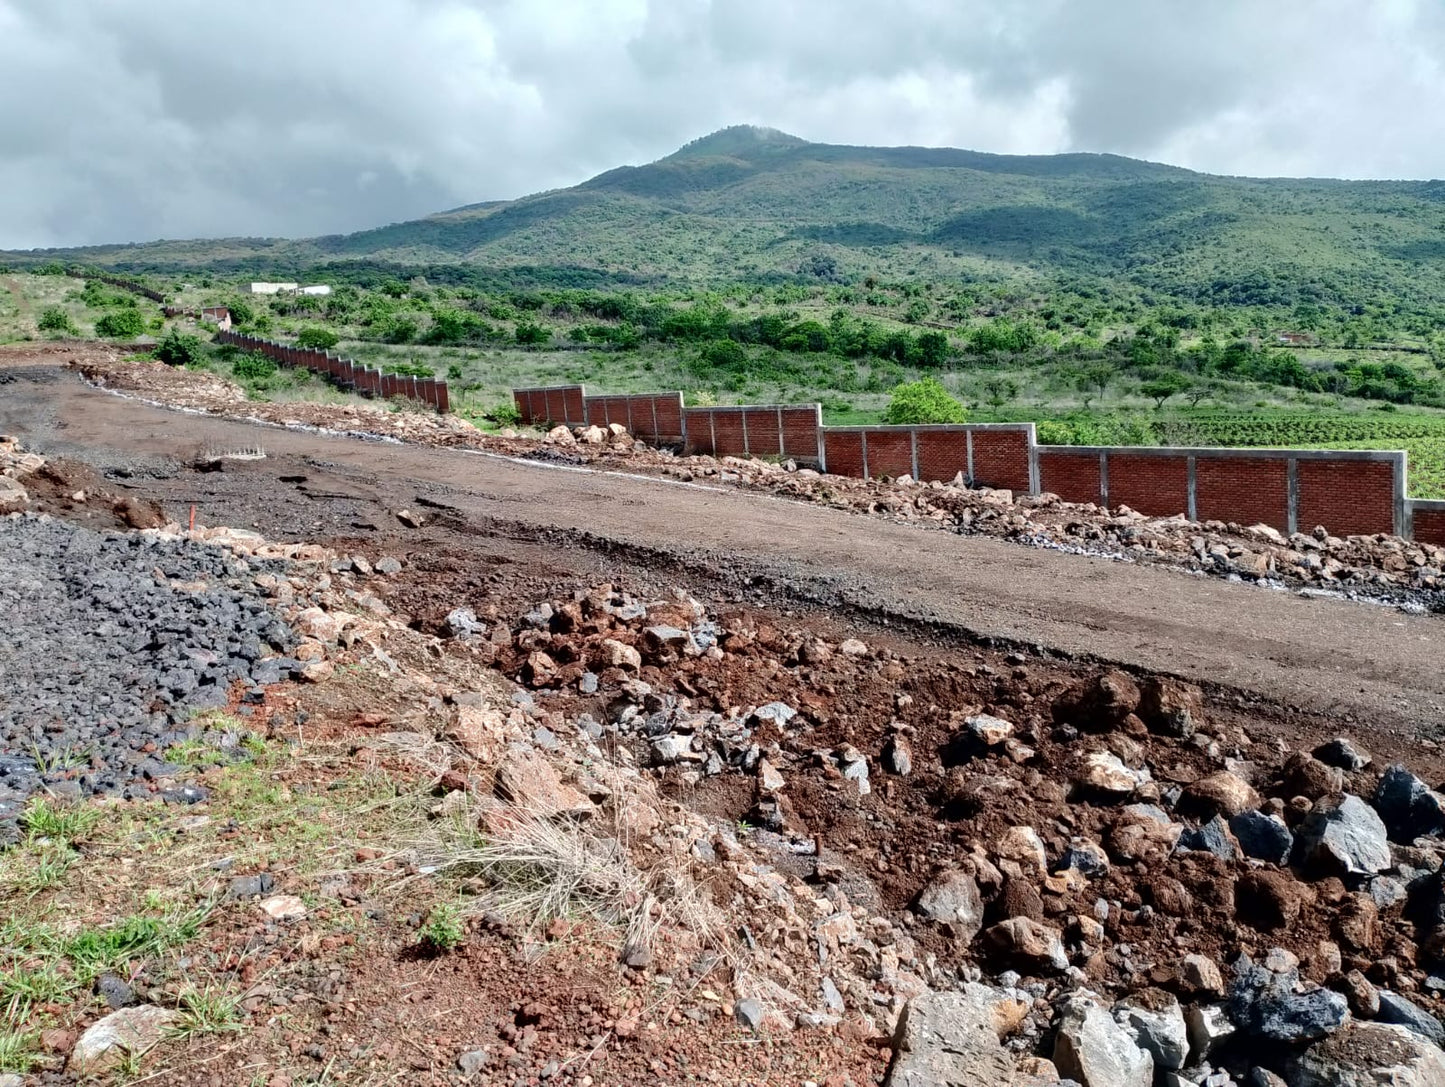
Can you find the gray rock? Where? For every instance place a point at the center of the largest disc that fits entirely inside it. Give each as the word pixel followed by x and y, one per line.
pixel 749 1013
pixel 947 1039
pixel 473 1060
pixel 1265 1003
pixel 388 565
pixel 463 622
pixel 776 713
pixel 1209 1027
pixel 1343 836
pixel 1263 1077
pixel 1370 1055
pixel 1342 753
pixel 251 886
pixel 105 1044
pixel 115 992
pixel 1156 1021
pixel 1262 837
pixel 1387 891
pixel 1096 1051
pixel 1395 1009
pixel 953 898
pixel 668 749
pixel 588 683
pixel 1410 808
pixel 898 756
pixel 1085 855
pixel 1213 837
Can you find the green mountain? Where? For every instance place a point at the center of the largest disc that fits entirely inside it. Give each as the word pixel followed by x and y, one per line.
pixel 755 203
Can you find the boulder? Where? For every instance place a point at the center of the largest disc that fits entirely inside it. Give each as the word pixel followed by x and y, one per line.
pixel 1269 1002
pixel 1409 808
pixel 1091 1048
pixel 1026 944
pixel 1105 776
pixel 1395 1009
pixel 1304 775
pixel 1219 793
pixel 130 1031
pixel 528 780
pixel 1342 753
pixel 945 1039
pixel 1343 836
pixel 1171 708
pixel 952 898
pixel 1370 1055
pixel 1213 837
pixel 1209 1027
pixel 13 497
pixel 1156 1021
pixel 897 757
pixel 1262 837
pixel 1022 847
pixel 1200 976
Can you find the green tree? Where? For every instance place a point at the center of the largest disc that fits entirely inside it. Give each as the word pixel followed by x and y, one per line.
pixel 1094 381
pixel 923 401
pixel 121 324
pixel 999 391
pixel 54 319
pixel 179 348
pixel 1162 387
pixel 323 338
pixel 932 349
pixel 529 332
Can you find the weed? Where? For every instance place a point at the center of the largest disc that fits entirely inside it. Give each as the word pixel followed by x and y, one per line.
pixel 94 951
pixel 211 1010
pixel 63 823
pixel 17 1049
pixel 22 985
pixel 443 930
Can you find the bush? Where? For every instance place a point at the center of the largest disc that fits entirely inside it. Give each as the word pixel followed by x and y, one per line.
pixel 443 930
pixel 121 324
pixel 55 319
pixel 178 348
pixel 323 338
pixel 504 413
pixel 925 401
pixel 529 332
pixel 252 367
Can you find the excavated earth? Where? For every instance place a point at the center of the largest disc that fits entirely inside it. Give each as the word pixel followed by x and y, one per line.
pixel 876 712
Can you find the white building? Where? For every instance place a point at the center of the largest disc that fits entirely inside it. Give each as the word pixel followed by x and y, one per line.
pixel 273 288
pixel 320 289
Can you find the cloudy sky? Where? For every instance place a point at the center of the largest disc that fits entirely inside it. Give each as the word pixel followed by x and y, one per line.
pixel 125 120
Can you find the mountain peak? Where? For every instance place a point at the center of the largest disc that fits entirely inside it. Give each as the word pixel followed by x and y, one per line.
pixel 738 140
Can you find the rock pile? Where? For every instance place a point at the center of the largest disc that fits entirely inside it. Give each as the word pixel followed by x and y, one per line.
pixel 1167 897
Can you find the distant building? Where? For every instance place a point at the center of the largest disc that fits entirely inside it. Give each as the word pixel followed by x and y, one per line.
pixel 1293 339
pixel 321 289
pixel 219 316
pixel 273 288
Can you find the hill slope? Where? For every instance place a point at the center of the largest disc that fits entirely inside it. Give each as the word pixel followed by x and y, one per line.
pixel 748 202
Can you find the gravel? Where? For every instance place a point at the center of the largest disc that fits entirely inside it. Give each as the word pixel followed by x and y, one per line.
pixel 110 645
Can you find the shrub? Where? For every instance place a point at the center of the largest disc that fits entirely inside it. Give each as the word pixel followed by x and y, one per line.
pixel 925 401
pixel 504 413
pixel 529 332
pixel 55 319
pixel 323 338
pixel 178 348
pixel 121 323
pixel 443 930
pixel 253 367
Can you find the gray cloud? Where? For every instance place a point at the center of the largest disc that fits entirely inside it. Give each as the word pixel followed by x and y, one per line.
pixel 136 119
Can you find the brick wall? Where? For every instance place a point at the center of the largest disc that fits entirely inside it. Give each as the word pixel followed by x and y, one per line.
pixel 942 454
pixel 652 416
pixel 556 404
pixel 889 453
pixel 1152 484
pixel 1246 490
pixel 844 451
pixel 1001 458
pixel 1429 519
pixel 347 373
pixel 1072 474
pixel 802 428
pixel 1348 497
pixel 762 431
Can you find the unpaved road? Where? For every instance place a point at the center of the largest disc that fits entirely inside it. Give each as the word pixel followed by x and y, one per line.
pixel 1366 662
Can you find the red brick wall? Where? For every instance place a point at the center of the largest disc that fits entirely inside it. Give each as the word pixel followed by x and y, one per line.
pixel 845 452
pixel 727 428
pixel 762 431
pixel 1247 490
pixel 1074 477
pixel 800 433
pixel 669 416
pixel 1001 458
pixel 1430 526
pixel 942 454
pixel 1156 485
pixel 1348 497
pixel 890 453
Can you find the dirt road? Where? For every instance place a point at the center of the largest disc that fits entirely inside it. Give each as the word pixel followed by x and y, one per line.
pixel 1341 659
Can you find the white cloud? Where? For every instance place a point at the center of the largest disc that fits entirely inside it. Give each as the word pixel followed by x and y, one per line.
pixel 134 119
